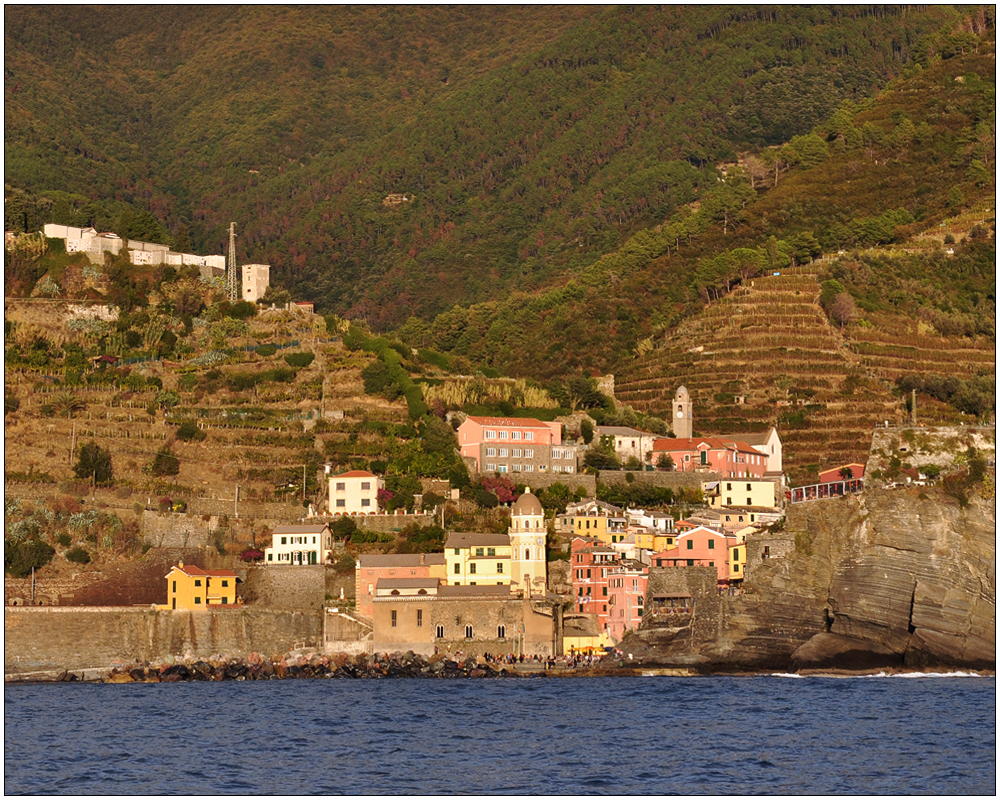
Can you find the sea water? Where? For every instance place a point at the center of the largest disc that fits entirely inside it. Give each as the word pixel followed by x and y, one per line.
pixel 656 735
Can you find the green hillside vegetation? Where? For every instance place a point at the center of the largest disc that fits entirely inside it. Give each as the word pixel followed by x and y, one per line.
pixel 527 141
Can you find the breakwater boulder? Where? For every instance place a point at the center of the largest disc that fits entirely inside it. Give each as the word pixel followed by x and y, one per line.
pixel 255 668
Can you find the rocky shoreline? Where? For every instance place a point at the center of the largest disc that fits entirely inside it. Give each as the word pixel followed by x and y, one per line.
pixel 410 665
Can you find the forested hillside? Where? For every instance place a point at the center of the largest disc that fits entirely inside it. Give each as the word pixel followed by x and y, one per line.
pixel 526 141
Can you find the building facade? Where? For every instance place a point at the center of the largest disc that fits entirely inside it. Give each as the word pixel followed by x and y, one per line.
pixel 370 569
pixel 355 492
pixel 478 559
pixel 191 588
pixel 730 458
pixel 505 445
pixel 256 279
pixel 299 545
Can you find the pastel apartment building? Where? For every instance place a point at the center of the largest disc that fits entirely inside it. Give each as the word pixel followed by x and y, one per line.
pixel 628 442
pixel 355 492
pixel 191 588
pixel 478 559
pixel 297 545
pixel 504 445
pixel 742 492
pixel 730 458
pixel 698 547
pixel 626 599
pixel 602 521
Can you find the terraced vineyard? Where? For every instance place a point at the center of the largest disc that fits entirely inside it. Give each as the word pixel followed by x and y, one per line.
pixel 257 434
pixel 766 354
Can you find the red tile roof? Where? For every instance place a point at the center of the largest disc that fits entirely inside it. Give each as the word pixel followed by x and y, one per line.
pixel 356 473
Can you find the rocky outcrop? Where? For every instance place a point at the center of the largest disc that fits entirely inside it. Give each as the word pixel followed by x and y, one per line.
pixel 901 578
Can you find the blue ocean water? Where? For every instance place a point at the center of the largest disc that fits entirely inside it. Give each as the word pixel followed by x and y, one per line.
pixel 663 735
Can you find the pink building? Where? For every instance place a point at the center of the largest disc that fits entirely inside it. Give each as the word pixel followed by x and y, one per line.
pixel 590 565
pixel 626 599
pixel 371 568
pixel 730 458
pixel 834 475
pixel 508 444
pixel 698 547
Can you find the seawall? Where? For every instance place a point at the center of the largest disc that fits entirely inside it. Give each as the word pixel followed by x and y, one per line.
pixel 78 639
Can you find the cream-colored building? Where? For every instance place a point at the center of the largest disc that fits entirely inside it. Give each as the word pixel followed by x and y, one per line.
pixel 299 544
pixel 743 492
pixel 256 279
pixel 355 492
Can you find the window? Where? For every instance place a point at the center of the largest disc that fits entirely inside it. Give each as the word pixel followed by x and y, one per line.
pixel 529 467
pixel 503 452
pixel 225 601
pixel 588 573
pixel 439 631
pixel 468 631
pixel 341 503
pixel 366 503
pixel 502 468
pixel 491 452
pixel 690 544
pixel 499 567
pixel 515 434
pixel 501 631
pixel 736 554
pixel 749 501
pixel 529 454
pixel 529 436
pixel 341 487
pixel 490 551
pixel 491 467
pixel 515 453
pixel 748 487
pixel 604 591
pixel 690 562
pixel 284 540
pixel 458 552
pixel 458 569
pixel 711 544
pixel 225 583
pixel 394 619
pixel 366 486
pixel 174 588
pixel 420 618
pixel 736 568
pixel 729 487
pixel 472 569
pixel 479 551
pixel 491 434
pixel 503 434
pixel 197 583
pixel 197 601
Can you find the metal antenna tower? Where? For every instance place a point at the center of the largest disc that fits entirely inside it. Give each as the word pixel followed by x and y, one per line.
pixel 232 274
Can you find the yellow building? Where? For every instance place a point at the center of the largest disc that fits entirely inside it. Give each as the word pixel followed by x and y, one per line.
pixel 192 588
pixel 737 561
pixel 478 559
pixel 743 492
pixel 652 539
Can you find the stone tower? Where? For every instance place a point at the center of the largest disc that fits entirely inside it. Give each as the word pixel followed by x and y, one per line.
pixel 527 544
pixel 683 416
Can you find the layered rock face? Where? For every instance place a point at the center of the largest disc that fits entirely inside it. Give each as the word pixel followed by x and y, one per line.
pixel 892 578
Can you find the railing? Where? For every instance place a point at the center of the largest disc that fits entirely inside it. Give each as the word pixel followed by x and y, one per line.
pixel 826 491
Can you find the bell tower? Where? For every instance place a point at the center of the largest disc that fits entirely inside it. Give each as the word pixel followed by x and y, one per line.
pixel 527 545
pixel 683 416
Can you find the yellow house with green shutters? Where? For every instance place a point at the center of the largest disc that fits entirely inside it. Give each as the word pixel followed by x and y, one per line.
pixel 191 588
pixel 477 559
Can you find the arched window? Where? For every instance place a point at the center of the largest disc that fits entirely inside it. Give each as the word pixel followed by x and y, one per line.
pixel 468 631
pixel 527 554
pixel 501 632
pixel 394 591
pixel 439 631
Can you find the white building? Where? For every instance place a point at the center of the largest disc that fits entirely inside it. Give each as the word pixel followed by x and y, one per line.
pixel 527 545
pixel 355 492
pixel 768 443
pixel 256 279
pixel 628 442
pixel 299 544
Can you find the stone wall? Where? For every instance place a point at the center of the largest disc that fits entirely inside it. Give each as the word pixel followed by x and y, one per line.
pixel 707 621
pixel 38 640
pixel 286 587
pixel 669 480
pixel 574 480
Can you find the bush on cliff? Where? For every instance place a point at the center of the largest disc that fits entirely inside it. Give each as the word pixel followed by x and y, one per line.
pixel 19 558
pixel 78 555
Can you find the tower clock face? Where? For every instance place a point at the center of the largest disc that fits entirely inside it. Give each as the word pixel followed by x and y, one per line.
pixel 539 541
pixel 680 414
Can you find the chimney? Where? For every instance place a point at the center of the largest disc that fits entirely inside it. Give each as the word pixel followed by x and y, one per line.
pixel 421 559
pixel 180 565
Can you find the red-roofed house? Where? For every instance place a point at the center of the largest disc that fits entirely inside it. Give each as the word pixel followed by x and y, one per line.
pixel 192 588
pixel 834 475
pixel 355 492
pixel 730 458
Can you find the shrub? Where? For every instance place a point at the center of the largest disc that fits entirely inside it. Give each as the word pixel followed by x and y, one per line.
pixel 302 359
pixel 165 463
pixel 78 555
pixel 266 350
pixel 63 539
pixel 19 558
pixel 190 432
pixel 252 554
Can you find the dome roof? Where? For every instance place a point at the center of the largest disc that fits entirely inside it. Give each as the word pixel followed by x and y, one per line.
pixel 527 505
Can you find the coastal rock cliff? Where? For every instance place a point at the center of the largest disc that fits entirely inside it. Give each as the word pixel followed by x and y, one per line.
pixel 890 578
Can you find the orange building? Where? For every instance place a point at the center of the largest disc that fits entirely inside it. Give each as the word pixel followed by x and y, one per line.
pixel 192 588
